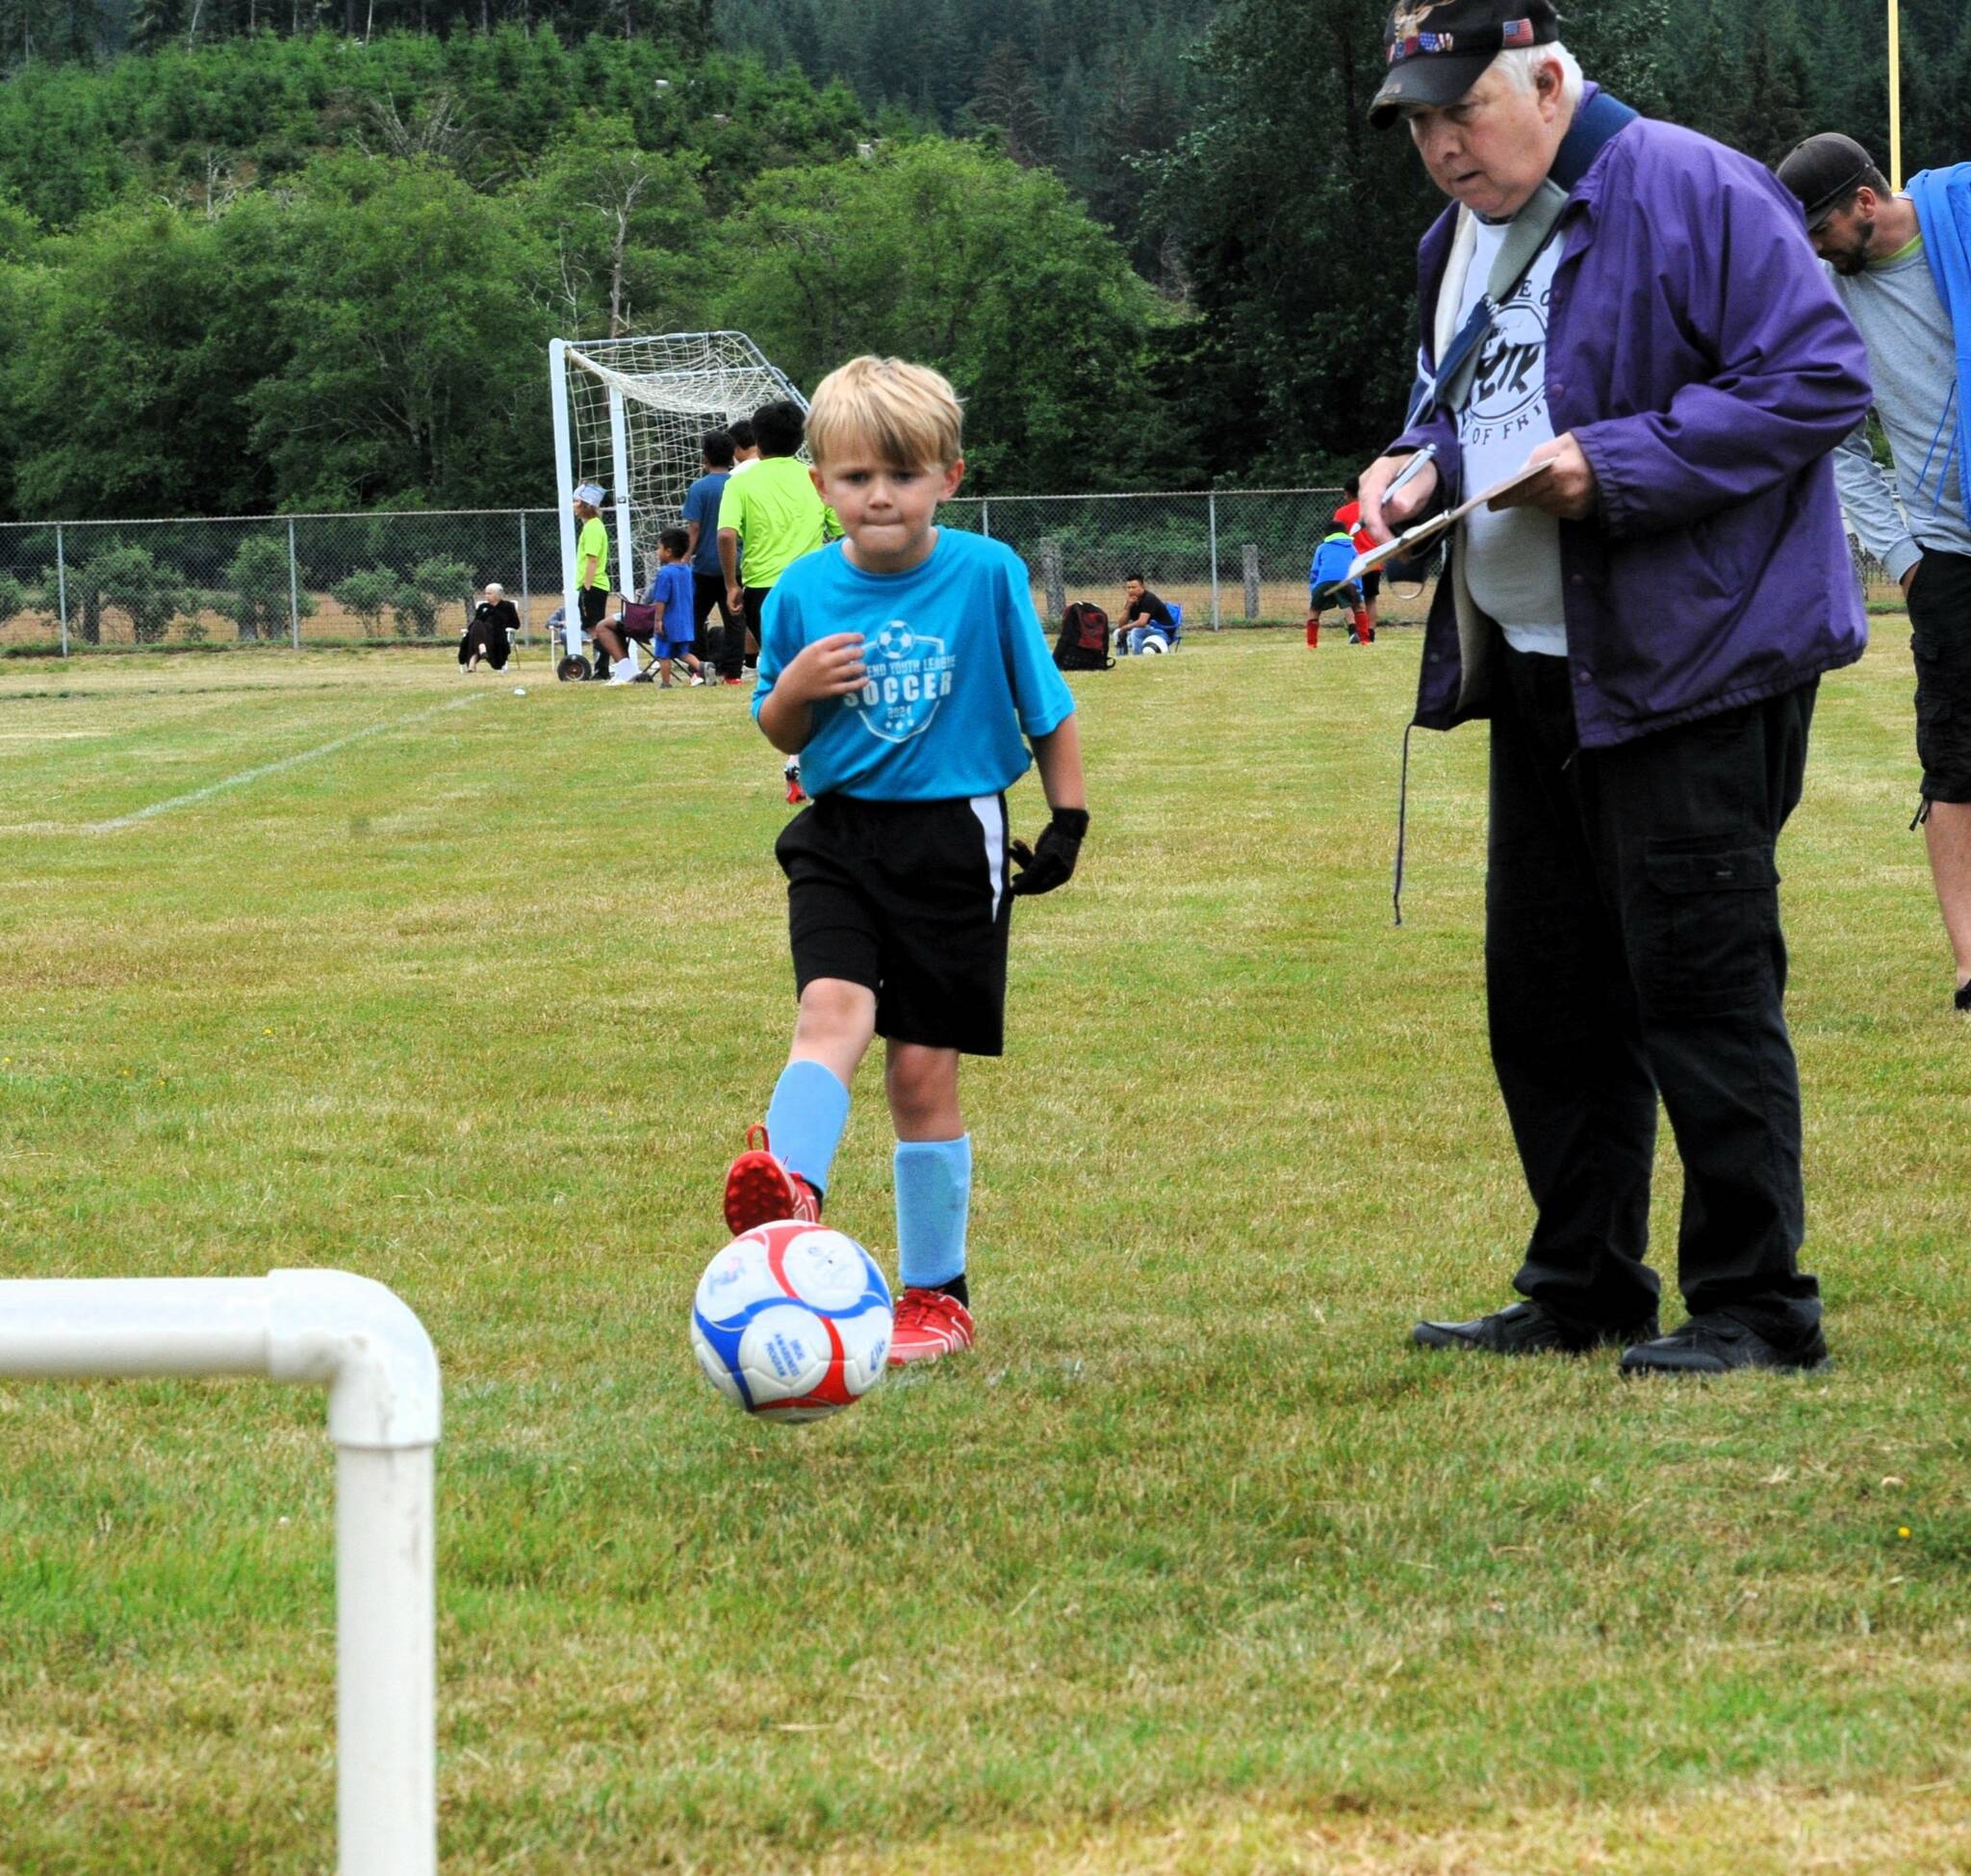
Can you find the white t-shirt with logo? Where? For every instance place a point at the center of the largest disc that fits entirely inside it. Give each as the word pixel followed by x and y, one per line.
pixel 1512 558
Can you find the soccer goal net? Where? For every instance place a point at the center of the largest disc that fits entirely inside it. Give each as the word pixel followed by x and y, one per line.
pixel 629 415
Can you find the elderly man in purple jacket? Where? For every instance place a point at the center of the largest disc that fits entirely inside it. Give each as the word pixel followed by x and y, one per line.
pixel 1645 622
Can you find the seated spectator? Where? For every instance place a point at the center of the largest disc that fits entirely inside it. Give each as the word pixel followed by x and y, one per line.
pixel 1328 585
pixel 1350 516
pixel 615 635
pixel 488 637
pixel 1143 613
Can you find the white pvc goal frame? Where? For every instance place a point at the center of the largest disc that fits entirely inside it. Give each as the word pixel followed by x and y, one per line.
pixel 692 379
pixel 361 1340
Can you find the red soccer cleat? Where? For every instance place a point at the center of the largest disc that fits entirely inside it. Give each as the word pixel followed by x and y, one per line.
pixel 762 1190
pixel 929 1326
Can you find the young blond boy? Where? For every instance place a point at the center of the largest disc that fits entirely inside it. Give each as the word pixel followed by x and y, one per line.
pixel 905 666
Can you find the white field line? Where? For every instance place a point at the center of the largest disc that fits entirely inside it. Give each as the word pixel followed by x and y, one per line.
pixel 241 779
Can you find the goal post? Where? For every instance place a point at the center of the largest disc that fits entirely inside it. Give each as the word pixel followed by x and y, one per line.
pixel 362 1342
pixel 564 494
pixel 628 414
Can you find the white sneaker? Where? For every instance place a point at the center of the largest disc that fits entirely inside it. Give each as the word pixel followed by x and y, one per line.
pixel 623 672
pixel 697 679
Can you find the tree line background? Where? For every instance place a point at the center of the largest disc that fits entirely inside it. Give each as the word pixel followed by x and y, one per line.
pixel 280 254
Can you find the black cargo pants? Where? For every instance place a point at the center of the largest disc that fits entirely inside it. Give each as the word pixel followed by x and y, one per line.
pixel 1632 950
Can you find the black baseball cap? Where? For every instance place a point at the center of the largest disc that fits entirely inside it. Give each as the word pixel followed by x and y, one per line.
pixel 1823 169
pixel 1437 49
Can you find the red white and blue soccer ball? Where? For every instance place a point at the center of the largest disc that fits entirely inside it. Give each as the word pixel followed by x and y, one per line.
pixel 792 1322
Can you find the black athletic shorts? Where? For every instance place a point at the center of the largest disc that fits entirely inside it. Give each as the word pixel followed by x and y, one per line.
pixel 595 606
pixel 1940 638
pixel 909 899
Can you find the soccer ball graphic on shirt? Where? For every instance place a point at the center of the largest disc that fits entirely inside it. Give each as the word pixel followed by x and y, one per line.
pixel 792 1322
pixel 896 640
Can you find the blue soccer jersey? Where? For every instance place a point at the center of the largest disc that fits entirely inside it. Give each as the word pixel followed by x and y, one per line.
pixel 960 673
pixel 671 588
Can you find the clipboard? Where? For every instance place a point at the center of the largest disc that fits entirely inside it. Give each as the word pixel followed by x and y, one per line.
pixel 1426 531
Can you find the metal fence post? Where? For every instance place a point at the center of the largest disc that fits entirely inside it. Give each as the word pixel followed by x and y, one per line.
pixel 526 595
pixel 61 588
pixel 1052 578
pixel 1212 523
pixel 1250 553
pixel 294 588
pixel 985 516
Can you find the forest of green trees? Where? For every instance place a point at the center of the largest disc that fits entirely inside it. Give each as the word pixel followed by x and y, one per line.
pixel 279 254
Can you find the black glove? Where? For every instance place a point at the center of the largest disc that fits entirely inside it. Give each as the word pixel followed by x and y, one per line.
pixel 1051 862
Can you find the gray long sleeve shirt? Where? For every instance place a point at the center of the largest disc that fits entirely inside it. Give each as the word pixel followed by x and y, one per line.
pixel 1913 359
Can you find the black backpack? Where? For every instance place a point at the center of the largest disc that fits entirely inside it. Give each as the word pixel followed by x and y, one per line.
pixel 1084 641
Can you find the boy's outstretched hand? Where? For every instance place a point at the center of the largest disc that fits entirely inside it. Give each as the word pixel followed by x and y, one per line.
pixel 1050 863
pixel 829 667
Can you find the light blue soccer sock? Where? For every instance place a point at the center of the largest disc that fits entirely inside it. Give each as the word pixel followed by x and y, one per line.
pixel 805 1120
pixel 933 1197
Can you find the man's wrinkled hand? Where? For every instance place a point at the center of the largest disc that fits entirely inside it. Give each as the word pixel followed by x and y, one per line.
pixel 1568 491
pixel 1050 861
pixel 1384 523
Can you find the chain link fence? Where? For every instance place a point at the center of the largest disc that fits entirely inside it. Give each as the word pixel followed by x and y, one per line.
pixel 1229 557
pixel 290 579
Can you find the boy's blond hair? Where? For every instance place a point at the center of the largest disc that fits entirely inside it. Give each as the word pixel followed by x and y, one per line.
pixel 907 416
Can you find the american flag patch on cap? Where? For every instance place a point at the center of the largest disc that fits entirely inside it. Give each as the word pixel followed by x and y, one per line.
pixel 1516 32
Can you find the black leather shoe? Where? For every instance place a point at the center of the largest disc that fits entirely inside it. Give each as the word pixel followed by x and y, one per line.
pixel 1716 1345
pixel 1525 1328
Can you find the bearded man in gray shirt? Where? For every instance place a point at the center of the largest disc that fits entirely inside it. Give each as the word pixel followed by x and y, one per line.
pixel 1899 294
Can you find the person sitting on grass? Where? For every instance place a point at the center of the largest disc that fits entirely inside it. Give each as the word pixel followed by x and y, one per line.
pixel 1143 613
pixel 1328 585
pixel 904 666
pixel 671 594
pixel 488 637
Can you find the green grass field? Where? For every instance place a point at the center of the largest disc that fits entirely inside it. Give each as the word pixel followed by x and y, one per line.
pixel 1192 1566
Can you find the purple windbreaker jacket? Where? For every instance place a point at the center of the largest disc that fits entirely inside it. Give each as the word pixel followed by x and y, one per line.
pixel 1698 355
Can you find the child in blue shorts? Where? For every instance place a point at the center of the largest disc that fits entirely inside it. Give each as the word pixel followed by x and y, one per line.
pixel 906 667
pixel 672 593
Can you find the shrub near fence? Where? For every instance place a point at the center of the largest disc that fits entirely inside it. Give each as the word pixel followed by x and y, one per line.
pixel 302 579
pixel 1231 557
